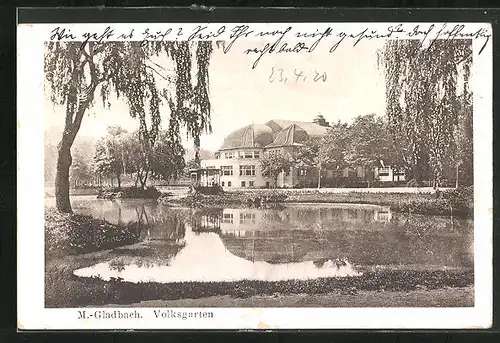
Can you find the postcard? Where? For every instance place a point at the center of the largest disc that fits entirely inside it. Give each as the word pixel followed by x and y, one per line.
pixel 209 175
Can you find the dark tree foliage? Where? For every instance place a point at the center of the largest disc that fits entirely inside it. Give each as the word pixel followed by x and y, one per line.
pixel 429 104
pixel 76 72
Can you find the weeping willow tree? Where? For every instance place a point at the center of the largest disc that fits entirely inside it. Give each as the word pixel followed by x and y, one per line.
pixel 428 103
pixel 77 73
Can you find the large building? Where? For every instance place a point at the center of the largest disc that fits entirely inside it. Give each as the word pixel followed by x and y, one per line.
pixel 238 160
pixel 239 156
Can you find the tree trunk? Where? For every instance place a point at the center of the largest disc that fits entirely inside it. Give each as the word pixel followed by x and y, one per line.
pixel 456 176
pixel 119 181
pixel 144 180
pixel 319 176
pixel 136 179
pixel 197 152
pixel 74 116
pixel 63 203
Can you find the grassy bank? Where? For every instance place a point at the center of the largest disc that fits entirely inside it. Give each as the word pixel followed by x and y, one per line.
pixel 67 234
pixel 65 289
pixel 450 297
pixel 459 202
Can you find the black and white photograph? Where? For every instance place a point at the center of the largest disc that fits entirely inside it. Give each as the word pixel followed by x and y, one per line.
pixel 190 169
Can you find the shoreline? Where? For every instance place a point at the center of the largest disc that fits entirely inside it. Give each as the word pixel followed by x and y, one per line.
pixel 458 203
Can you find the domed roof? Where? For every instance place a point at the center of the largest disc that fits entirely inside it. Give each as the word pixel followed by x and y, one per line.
pixel 291 135
pixel 250 136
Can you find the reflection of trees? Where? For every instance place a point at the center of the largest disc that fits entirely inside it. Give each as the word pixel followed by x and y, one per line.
pixel 164 223
pixel 397 240
pixel 206 220
pixel 153 254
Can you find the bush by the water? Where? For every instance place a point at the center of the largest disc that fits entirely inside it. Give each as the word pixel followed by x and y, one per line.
pixel 458 202
pixel 73 234
pixel 129 192
pixel 236 198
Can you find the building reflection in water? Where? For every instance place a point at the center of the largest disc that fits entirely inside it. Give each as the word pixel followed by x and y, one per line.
pixel 281 236
pixel 238 221
pixel 364 235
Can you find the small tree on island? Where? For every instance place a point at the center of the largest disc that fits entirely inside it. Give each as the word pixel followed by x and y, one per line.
pixel 164 160
pixel 273 164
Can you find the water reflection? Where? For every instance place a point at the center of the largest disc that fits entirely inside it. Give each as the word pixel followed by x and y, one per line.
pixel 205 258
pixel 299 241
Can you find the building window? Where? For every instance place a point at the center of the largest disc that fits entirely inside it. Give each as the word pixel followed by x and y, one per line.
pixel 222 183
pixel 229 154
pixel 383 172
pixel 247 218
pixel 303 172
pixel 247 170
pixel 250 183
pixel 227 170
pixel 248 154
pixel 243 184
pixel 256 154
pixel 229 183
pixel 227 218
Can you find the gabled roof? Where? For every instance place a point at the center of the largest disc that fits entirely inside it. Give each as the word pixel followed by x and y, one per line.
pixel 312 129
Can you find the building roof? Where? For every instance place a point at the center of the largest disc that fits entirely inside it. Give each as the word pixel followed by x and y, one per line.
pixel 274 133
pixel 291 135
pixel 250 136
pixel 312 129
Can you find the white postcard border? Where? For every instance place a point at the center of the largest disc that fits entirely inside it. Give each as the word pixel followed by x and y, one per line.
pixel 33 315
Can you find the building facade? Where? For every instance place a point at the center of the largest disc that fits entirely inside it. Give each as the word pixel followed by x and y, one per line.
pixel 238 159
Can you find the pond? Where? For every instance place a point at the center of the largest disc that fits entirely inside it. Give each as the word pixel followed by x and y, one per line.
pixel 292 242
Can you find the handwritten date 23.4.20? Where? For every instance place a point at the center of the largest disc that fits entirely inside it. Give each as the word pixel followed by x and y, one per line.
pixel 298 75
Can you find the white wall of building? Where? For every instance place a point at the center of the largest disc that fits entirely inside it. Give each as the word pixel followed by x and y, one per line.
pixel 251 174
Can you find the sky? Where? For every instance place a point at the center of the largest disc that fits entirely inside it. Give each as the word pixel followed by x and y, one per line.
pixel 241 95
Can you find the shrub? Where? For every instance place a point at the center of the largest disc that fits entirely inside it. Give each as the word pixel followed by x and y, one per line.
pixel 73 233
pixel 129 192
